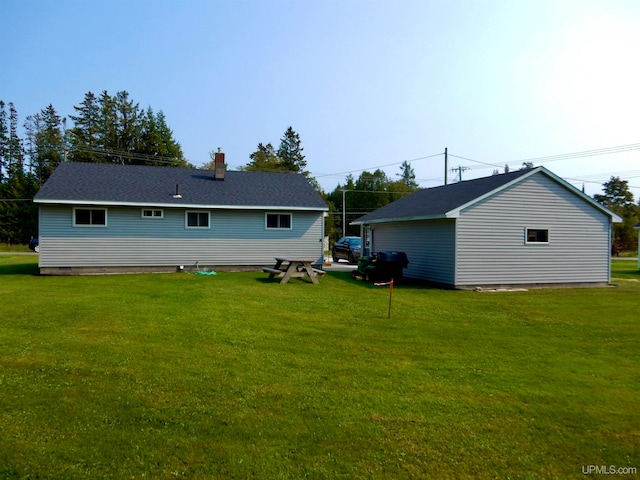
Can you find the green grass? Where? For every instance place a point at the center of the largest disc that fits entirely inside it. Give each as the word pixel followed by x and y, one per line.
pixel 234 376
pixel 5 247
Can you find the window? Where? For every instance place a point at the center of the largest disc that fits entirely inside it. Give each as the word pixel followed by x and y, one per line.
pixel 536 235
pixel 88 217
pixel 152 213
pixel 278 221
pixel 197 219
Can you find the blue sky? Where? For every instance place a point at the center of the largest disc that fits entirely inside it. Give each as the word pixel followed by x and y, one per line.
pixel 365 83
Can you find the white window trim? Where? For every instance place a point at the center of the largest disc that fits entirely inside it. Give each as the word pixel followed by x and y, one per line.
pixel 82 225
pixel 153 216
pixel 186 220
pixel 526 236
pixel 266 223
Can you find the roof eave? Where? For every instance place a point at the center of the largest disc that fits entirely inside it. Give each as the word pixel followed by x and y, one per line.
pixel 104 203
pixel 398 219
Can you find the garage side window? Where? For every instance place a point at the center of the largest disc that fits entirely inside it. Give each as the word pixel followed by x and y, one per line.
pixel 536 235
pixel 276 221
pixel 89 217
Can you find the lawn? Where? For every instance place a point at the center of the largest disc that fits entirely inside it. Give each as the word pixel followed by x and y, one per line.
pixel 234 376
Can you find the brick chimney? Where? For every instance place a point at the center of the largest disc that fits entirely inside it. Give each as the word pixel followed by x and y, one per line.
pixel 221 167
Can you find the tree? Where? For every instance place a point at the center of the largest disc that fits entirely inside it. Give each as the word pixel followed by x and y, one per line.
pixel 619 199
pixel 128 126
pixel 407 175
pixel 290 153
pixel 264 159
pixel 18 215
pixel 50 145
pixel 157 142
pixel 4 141
pixel 288 158
pixel 113 129
pixel 85 135
pixel 14 152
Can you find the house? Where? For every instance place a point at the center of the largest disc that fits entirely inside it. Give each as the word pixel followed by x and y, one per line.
pixel 527 227
pixel 99 218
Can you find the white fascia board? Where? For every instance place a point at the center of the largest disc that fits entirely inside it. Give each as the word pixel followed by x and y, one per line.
pixel 455 213
pixel 402 219
pixel 103 203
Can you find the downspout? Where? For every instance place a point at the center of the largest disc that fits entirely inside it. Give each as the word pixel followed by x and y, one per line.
pixel 324 217
pixel 609 248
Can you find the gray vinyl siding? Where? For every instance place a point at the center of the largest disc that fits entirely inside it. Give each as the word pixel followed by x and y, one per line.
pixel 429 246
pixel 234 238
pixel 491 248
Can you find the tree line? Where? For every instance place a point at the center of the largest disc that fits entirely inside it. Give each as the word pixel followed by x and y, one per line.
pixel 105 129
pixel 115 129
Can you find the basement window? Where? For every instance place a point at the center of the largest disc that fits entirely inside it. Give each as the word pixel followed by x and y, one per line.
pixel 197 219
pixel 152 213
pixel 89 217
pixel 275 221
pixel 536 236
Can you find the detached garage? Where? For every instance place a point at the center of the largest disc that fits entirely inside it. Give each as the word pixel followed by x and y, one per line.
pixel 527 227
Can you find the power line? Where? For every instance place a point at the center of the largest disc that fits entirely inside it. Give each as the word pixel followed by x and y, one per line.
pixel 123 154
pixel 585 153
pixel 378 167
pixel 560 157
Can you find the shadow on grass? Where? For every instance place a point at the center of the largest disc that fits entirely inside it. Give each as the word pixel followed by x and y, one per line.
pixel 406 283
pixel 625 270
pixel 19 269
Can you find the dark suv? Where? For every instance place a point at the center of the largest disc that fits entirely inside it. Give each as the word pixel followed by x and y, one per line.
pixel 34 245
pixel 347 248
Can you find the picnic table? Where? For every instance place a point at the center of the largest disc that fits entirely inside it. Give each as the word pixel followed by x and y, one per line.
pixel 286 268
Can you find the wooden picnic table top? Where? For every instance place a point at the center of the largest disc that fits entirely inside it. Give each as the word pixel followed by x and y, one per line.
pixel 294 260
pixel 291 270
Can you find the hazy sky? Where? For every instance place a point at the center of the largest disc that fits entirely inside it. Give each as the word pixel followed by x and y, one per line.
pixel 365 83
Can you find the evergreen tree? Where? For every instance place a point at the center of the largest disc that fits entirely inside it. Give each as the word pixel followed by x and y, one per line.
pixel 18 213
pixel 168 147
pixel 264 159
pixel 32 128
pixel 14 153
pixel 4 141
pixel 290 153
pixel 107 128
pixel 50 142
pixel 407 175
pixel 85 135
pixel 114 129
pixel 128 128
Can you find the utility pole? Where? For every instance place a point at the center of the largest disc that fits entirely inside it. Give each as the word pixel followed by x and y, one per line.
pixel 446 166
pixel 344 212
pixel 459 169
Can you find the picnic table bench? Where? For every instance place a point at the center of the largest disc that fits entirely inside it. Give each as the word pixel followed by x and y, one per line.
pixel 286 268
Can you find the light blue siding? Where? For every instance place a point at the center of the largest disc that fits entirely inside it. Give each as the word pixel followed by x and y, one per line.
pixel 485 245
pixel 234 238
pixel 491 246
pixel 429 247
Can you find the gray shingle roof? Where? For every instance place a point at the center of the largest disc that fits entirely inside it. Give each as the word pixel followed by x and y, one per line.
pixel 99 183
pixel 437 202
